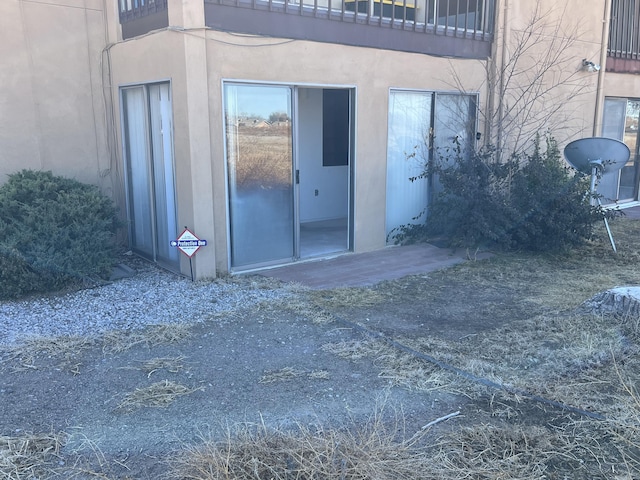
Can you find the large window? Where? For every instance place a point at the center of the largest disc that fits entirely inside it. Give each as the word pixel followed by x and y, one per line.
pixel 422 125
pixel 624 32
pixel 621 120
pixel 147 132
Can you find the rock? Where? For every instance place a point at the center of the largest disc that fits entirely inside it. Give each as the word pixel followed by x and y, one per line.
pixel 619 301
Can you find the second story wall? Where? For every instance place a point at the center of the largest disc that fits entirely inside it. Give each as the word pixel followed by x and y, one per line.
pixel 51 101
pixel 539 81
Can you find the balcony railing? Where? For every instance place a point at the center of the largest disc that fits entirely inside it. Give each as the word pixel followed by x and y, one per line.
pixel 133 9
pixel 624 37
pixel 459 28
pixel 141 16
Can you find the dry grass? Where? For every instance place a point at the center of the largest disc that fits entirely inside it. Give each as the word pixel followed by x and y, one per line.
pixel 290 373
pixel 119 341
pixel 28 354
pixel 624 428
pixel 379 448
pixel 488 452
pixel 170 364
pixel 383 448
pixel 563 281
pixel 346 298
pixel 555 351
pixel 564 359
pixel 34 352
pixel 398 367
pixel 548 348
pixel 300 306
pixel 41 456
pixel 29 456
pixel 158 395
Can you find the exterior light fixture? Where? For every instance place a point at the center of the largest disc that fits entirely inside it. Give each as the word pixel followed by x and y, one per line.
pixel 590 66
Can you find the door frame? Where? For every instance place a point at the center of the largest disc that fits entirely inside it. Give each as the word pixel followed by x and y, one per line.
pixel 168 263
pixel 295 89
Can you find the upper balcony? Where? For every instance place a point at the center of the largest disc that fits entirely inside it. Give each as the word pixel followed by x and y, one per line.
pixel 456 28
pixel 138 17
pixel 623 50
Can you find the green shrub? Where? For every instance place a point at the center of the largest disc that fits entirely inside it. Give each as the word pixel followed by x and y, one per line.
pixel 531 202
pixel 53 231
pixel 552 202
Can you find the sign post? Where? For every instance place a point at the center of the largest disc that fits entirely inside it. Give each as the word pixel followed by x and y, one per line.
pixel 188 244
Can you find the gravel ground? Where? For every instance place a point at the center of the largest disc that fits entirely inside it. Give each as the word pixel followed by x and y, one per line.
pixel 152 296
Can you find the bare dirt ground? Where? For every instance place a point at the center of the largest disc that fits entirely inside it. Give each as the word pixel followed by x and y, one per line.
pixel 250 366
pixel 123 405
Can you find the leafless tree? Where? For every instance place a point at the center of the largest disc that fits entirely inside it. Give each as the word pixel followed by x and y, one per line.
pixel 533 81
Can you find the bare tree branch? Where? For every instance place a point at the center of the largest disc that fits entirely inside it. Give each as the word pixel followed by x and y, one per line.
pixel 535 88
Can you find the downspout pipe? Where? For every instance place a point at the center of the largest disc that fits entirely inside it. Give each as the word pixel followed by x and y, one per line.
pixel 506 33
pixel 598 114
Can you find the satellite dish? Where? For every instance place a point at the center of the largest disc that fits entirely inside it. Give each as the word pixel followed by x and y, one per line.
pixel 596 156
pixel 605 153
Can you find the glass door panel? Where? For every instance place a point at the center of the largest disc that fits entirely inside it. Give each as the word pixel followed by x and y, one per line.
pixel 407 154
pixel 162 160
pixel 260 170
pixel 612 127
pixel 148 142
pixel 628 174
pixel 138 171
pixel 454 127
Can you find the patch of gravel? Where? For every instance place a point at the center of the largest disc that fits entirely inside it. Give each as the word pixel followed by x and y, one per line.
pixel 152 296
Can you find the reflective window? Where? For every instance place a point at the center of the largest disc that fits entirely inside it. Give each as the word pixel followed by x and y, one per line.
pixel 148 149
pixel 620 121
pixel 421 126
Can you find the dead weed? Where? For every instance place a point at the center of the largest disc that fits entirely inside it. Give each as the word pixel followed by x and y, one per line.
pixel 170 364
pixel 289 373
pixel 29 456
pixel 158 395
pixel 378 448
pixel 119 341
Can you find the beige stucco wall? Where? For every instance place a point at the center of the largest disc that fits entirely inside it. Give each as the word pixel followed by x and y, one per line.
pixel 372 72
pixel 622 85
pixel 197 104
pixel 139 62
pixel 197 61
pixel 51 104
pixel 558 36
pixel 64 60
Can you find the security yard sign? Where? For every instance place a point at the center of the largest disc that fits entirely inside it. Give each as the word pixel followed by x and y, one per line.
pixel 188 243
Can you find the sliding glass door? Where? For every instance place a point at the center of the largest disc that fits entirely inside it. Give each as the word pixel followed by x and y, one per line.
pixel 289 151
pixel 259 140
pixel 621 121
pixel 148 149
pixel 407 153
pixel 422 126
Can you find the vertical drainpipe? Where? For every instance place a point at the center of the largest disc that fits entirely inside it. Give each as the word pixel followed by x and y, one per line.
pixel 500 72
pixel 597 120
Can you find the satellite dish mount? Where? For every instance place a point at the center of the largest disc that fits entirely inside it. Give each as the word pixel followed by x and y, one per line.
pixel 594 156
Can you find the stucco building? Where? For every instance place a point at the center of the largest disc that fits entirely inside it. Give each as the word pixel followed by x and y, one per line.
pixel 283 130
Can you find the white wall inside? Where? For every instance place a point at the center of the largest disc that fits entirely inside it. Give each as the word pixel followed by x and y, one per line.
pixel 331 183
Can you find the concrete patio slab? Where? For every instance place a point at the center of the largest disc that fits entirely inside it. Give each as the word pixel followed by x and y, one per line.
pixel 363 269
